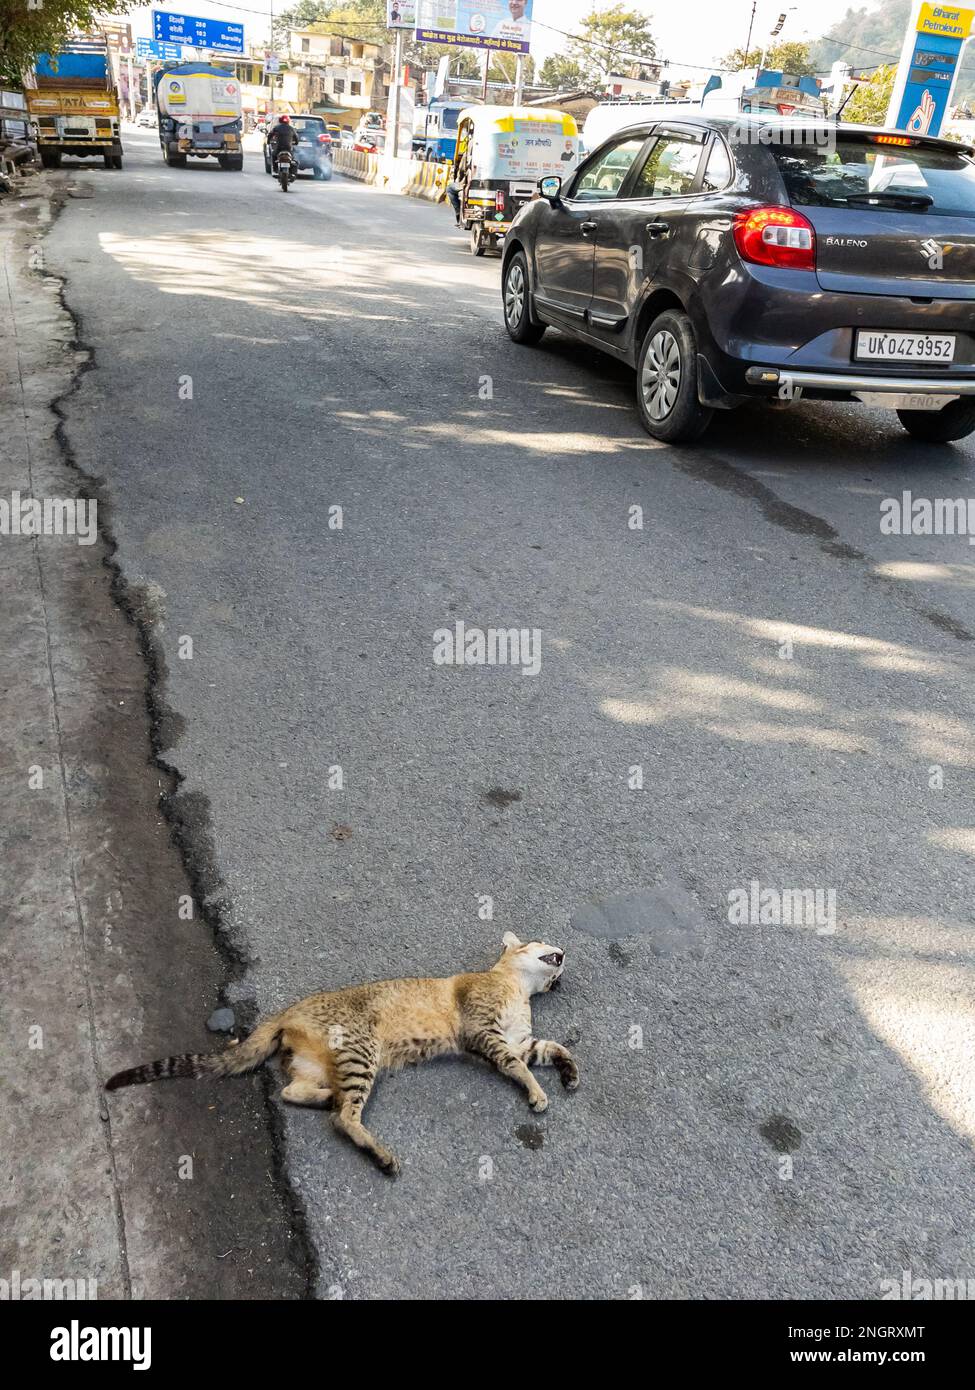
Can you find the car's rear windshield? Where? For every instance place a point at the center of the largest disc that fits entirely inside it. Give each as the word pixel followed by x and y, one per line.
pixel 308 122
pixel 858 168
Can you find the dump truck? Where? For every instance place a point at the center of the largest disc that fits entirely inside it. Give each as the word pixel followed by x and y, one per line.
pixel 74 104
pixel 200 115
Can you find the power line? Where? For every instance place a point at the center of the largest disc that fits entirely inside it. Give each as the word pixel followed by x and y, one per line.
pixel 858 48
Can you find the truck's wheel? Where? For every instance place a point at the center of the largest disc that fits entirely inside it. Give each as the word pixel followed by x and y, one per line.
pixel 109 161
pixel 51 159
pixel 118 161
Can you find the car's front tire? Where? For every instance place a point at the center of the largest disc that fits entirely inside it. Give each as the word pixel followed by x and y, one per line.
pixel 953 421
pixel 516 297
pixel 666 381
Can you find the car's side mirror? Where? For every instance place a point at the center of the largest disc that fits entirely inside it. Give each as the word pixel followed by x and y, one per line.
pixel 551 188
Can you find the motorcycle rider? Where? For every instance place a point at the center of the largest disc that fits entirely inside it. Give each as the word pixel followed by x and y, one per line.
pixel 281 136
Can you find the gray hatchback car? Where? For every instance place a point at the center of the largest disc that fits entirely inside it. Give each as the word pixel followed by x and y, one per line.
pixel 732 258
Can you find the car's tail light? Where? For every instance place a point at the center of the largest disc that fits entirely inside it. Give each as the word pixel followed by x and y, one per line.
pixel 776 236
pixel 324 139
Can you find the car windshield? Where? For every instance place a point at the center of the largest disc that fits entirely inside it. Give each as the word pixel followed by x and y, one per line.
pixel 307 124
pixel 937 180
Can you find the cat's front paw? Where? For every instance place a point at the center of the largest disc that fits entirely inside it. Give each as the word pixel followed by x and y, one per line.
pixel 388 1163
pixel 538 1103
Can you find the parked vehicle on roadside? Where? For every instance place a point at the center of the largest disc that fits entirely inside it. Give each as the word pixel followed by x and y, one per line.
pixel 370 141
pixel 733 259
pixel 200 114
pixel 502 152
pixel 313 151
pixel 435 128
pixel 75 105
pixel 147 117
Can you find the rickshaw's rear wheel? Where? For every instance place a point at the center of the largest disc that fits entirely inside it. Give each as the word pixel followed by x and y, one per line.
pixel 516 297
pixel 477 240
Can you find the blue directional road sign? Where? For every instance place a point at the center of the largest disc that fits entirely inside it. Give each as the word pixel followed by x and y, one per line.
pixel 152 48
pixel 197 33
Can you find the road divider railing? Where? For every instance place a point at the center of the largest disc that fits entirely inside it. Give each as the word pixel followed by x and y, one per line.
pixel 412 177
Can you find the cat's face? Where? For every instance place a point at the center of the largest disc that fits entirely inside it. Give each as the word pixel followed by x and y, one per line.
pixel 539 964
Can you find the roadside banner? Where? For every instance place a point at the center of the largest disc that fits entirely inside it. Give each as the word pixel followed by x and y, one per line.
pixel 400 14
pixel 503 25
pixel 930 58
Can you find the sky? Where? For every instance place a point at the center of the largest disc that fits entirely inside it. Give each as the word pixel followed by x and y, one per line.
pixel 699 33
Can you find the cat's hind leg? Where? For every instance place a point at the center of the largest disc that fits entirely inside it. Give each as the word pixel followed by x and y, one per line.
pixel 355 1072
pixel 540 1053
pixel 309 1079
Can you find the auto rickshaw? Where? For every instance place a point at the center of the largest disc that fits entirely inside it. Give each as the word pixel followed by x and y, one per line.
pixel 502 152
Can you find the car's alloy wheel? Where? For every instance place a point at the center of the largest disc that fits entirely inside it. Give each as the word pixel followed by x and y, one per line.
pixel 661 376
pixel 514 295
pixel 516 298
pixel 666 378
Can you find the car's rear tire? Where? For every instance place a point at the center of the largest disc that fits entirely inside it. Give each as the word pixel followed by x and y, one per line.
pixel 516 298
pixel 953 421
pixel 666 381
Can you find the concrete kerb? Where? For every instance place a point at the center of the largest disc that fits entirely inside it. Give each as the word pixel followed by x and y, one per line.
pixel 410 177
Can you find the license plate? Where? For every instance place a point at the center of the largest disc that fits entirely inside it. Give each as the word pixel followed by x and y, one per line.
pixel 883 345
pixel 891 400
pixel 209 144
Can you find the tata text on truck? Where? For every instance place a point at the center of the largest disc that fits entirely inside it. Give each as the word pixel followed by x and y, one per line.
pixel 200 114
pixel 74 104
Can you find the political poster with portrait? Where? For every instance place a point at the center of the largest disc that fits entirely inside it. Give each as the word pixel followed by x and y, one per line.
pixel 503 25
pixel 400 14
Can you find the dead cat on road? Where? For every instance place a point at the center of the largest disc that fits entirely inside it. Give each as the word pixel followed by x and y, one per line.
pixel 333 1045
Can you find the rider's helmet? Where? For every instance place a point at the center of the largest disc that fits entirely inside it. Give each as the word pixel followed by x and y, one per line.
pixel 286 119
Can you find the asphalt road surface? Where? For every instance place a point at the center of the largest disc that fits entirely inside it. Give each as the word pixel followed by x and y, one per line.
pixel 766 1110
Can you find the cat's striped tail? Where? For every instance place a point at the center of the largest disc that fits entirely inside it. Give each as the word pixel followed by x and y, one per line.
pixel 248 1056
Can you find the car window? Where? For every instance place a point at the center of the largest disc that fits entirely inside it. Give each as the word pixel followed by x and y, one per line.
pixel 718 170
pixel 670 168
pixel 606 174
pixel 860 167
pixel 307 123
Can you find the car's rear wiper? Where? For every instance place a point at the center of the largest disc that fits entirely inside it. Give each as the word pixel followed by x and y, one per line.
pixel 892 199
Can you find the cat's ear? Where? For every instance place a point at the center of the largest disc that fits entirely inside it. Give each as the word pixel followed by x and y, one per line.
pixel 509 941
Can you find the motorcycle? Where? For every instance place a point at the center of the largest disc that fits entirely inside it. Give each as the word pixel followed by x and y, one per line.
pixel 286 168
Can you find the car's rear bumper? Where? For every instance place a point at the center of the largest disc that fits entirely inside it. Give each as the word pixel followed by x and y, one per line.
pixel 767 322
pixel 848 382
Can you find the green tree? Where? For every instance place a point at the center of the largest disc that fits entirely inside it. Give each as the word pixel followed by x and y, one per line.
pixel 425 57
pixel 789 56
pixel 611 40
pixel 26 30
pixel 562 72
pixel 868 104
pixel 358 19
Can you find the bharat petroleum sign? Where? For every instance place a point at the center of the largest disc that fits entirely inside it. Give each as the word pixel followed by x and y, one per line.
pixel 921 100
pixel 944 22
